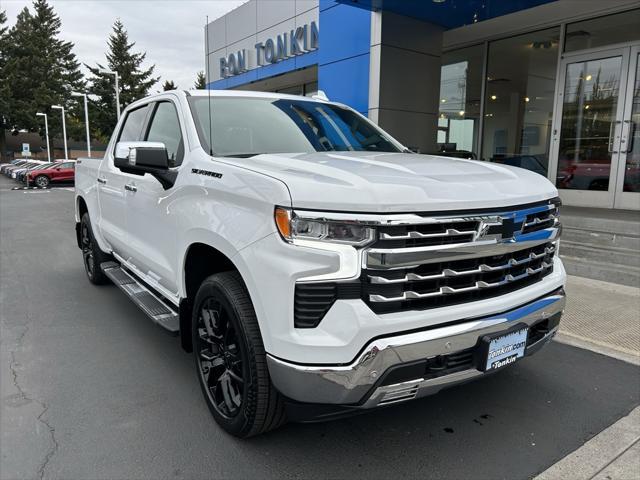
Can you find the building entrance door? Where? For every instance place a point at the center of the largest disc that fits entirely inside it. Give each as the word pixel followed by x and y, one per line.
pixel 596 147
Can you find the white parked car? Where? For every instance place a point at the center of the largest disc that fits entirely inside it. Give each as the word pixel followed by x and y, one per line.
pixel 312 263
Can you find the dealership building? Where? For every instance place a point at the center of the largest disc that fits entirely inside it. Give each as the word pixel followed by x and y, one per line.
pixel 548 85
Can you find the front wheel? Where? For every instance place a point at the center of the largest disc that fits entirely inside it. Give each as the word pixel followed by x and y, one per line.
pixel 230 358
pixel 42 181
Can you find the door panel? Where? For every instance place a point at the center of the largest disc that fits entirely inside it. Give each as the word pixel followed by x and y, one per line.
pixel 111 186
pixel 113 209
pixel 152 232
pixel 596 143
pixel 628 185
pixel 590 125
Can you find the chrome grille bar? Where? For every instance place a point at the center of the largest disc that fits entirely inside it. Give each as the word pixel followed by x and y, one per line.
pixel 480 285
pixel 415 234
pixel 537 220
pixel 447 272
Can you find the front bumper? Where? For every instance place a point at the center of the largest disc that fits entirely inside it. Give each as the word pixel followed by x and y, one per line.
pixel 372 379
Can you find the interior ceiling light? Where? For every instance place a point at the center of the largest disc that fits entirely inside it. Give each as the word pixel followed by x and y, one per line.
pixel 494 97
pixel 439 1
pixel 527 99
pixel 589 77
pixel 461 113
pixel 444 100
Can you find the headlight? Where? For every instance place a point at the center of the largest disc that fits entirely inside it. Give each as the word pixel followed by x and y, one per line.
pixel 294 225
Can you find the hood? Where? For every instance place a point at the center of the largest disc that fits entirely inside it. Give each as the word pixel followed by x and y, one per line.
pixel 398 182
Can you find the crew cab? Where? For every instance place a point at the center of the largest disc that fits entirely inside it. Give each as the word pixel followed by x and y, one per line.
pixel 312 264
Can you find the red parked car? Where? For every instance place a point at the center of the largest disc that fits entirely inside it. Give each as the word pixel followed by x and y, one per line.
pixel 60 172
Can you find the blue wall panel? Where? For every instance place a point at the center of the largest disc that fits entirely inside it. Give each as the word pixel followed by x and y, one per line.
pixel 343 58
pixel 347 81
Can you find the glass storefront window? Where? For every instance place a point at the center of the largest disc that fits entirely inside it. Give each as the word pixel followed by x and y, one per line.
pixel 460 91
pixel 521 77
pixel 602 31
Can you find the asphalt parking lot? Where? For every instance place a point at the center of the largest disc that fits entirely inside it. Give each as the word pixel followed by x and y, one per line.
pixel 91 389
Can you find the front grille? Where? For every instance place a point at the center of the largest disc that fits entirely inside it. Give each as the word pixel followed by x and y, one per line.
pixel 422 261
pixel 448 283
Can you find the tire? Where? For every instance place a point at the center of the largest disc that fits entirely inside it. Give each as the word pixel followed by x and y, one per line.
pixel 42 181
pixel 230 359
pixel 92 256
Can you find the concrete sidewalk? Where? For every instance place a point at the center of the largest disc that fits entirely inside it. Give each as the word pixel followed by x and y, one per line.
pixel 605 318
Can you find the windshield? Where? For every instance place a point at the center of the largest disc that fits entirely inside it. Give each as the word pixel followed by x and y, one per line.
pixel 250 126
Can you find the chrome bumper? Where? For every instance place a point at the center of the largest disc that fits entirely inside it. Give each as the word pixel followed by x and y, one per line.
pixel 355 384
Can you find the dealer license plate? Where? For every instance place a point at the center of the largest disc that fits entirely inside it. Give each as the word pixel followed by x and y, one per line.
pixel 505 349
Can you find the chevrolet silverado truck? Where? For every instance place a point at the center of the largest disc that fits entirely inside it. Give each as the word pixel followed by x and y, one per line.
pixel 313 265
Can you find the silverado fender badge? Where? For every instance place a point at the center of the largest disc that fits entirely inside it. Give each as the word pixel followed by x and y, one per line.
pixel 206 173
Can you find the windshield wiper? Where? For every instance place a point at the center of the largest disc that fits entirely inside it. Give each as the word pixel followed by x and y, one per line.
pixel 242 155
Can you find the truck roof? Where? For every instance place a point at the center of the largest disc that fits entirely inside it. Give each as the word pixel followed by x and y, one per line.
pixel 233 93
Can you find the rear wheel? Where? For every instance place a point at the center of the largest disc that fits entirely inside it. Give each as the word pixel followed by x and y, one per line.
pixel 42 181
pixel 230 358
pixel 92 256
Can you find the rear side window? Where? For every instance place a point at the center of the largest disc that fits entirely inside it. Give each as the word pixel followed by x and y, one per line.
pixel 132 128
pixel 165 128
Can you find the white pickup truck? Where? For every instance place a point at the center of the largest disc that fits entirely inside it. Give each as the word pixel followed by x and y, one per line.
pixel 313 265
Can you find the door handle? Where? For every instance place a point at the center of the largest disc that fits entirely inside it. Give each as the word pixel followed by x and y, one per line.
pixel 102 180
pixel 131 187
pixel 613 128
pixel 631 133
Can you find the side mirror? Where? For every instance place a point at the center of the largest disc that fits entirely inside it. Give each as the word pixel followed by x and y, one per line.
pixel 139 158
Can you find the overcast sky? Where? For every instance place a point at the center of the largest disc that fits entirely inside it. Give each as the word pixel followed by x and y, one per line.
pixel 170 31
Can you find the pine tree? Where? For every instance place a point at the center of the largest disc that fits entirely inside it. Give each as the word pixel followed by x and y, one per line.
pixel 41 70
pixel 169 85
pixel 134 81
pixel 201 81
pixel 4 86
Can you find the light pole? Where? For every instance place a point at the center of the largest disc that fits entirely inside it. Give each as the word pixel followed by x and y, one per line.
pixel 46 132
pixel 64 130
pixel 115 74
pixel 86 119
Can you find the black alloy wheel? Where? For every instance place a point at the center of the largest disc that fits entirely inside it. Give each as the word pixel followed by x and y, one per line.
pixel 92 256
pixel 220 358
pixel 230 358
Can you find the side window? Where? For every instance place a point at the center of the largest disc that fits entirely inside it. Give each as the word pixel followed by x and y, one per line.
pixel 132 128
pixel 165 128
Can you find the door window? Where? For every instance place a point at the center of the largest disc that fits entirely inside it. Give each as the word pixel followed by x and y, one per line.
pixel 165 128
pixel 132 128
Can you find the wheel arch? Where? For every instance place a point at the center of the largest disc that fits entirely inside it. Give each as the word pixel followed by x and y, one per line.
pixel 81 209
pixel 201 260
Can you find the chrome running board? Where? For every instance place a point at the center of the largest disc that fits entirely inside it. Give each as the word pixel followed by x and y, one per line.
pixel 160 312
